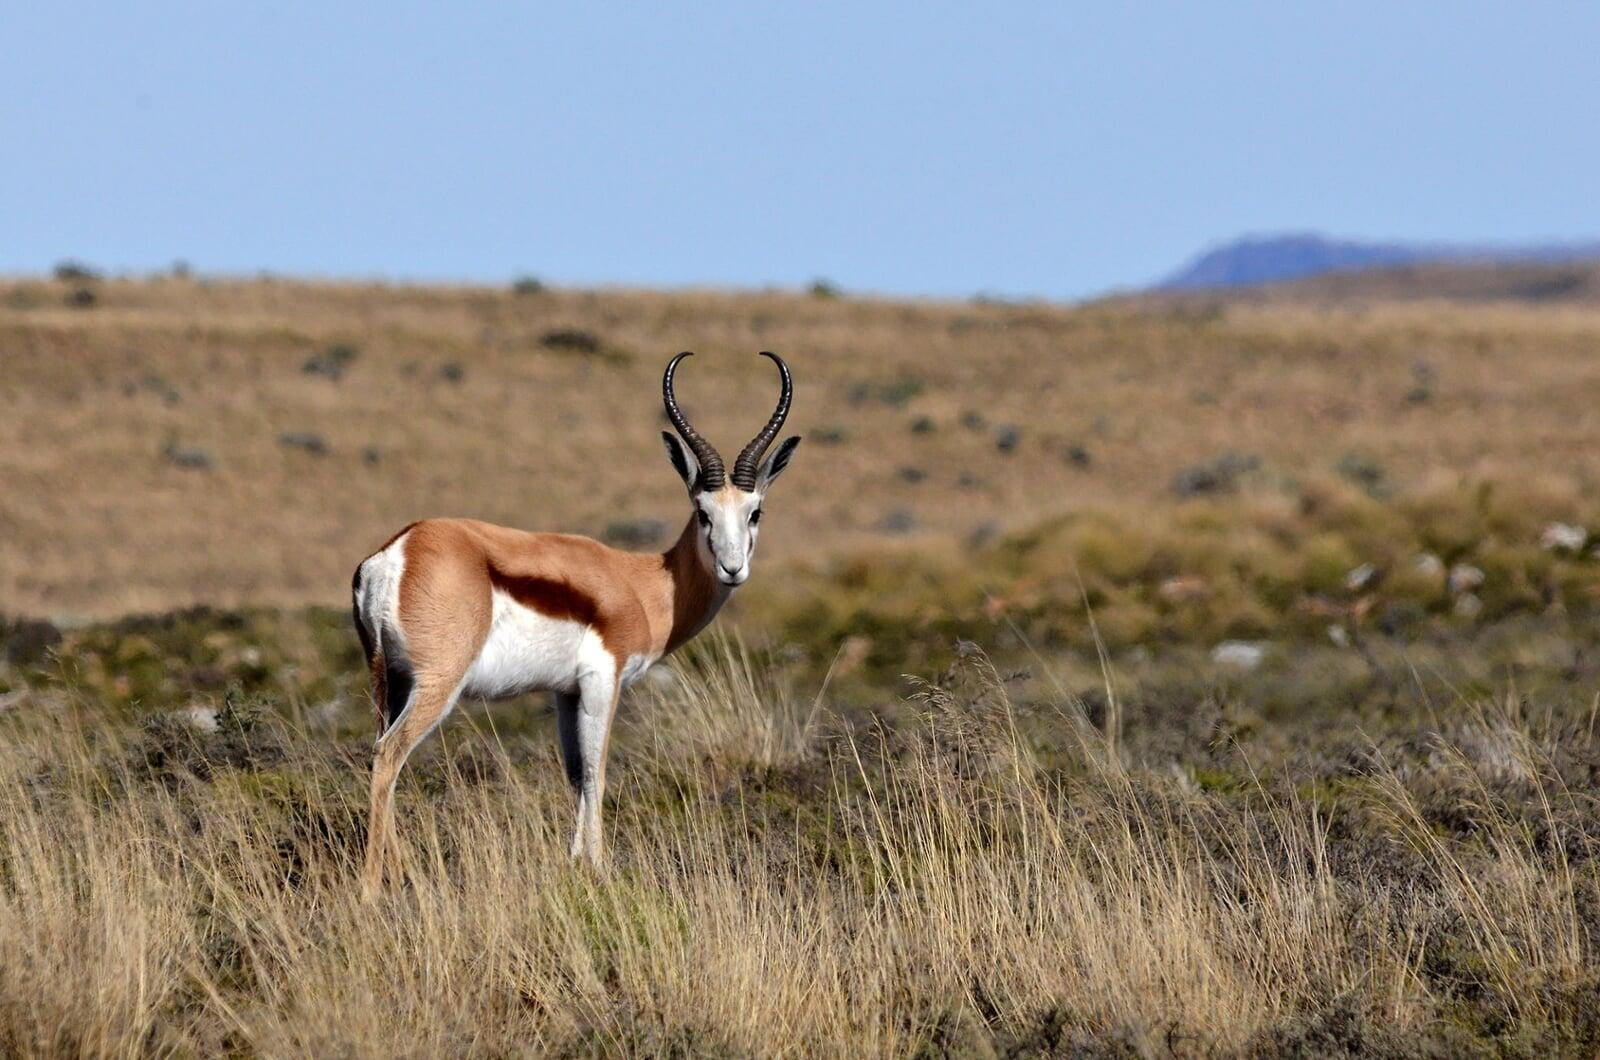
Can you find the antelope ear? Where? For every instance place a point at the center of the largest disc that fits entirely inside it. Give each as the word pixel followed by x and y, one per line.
pixel 774 464
pixel 683 461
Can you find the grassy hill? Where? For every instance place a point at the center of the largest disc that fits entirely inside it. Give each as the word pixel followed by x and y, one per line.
pixel 172 441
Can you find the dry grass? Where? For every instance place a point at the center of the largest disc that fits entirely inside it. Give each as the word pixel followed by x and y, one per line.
pixel 1129 849
pixel 940 887
pixel 96 518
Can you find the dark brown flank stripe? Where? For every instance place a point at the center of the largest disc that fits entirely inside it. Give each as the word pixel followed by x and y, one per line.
pixel 551 598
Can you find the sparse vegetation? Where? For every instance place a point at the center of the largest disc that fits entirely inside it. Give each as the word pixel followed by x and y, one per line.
pixel 331 362
pixel 1143 677
pixel 978 870
pixel 75 272
pixel 1293 385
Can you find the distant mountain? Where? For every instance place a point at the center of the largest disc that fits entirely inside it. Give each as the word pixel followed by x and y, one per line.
pixel 1266 259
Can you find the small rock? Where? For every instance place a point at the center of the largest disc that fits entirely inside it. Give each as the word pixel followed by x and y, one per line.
pixel 912 474
pixel 1239 654
pixel 197 716
pixel 1468 605
pixel 1007 438
pixel 308 441
pixel 923 425
pixel 899 521
pixel 1464 578
pixel 1077 455
pixel 634 533
pixel 1360 577
pixel 1429 565
pixel 452 371
pixel 1563 537
pixel 1182 589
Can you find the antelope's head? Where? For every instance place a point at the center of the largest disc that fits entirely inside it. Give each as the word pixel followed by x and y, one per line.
pixel 727 508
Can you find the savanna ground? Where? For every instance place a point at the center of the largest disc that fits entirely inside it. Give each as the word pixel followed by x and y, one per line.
pixel 1152 676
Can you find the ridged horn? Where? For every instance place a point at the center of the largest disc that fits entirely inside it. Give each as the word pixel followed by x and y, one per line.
pixel 745 468
pixel 712 472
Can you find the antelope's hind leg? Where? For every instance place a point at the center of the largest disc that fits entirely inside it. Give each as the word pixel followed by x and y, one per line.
pixel 435 685
pixel 431 701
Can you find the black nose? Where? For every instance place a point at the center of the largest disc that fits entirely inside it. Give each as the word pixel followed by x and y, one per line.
pixel 729 571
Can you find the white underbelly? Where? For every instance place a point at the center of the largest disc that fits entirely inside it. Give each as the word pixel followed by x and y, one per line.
pixel 526 652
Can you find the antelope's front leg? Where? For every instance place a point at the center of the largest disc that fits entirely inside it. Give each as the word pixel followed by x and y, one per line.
pixel 568 705
pixel 597 706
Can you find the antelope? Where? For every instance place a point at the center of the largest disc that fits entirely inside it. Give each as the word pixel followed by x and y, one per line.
pixel 455 607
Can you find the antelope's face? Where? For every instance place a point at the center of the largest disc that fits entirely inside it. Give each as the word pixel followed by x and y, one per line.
pixel 727 508
pixel 730 521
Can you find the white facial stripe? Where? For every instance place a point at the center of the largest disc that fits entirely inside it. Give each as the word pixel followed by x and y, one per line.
pixel 731 537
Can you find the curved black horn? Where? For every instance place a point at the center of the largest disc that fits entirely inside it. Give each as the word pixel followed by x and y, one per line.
pixel 711 469
pixel 744 468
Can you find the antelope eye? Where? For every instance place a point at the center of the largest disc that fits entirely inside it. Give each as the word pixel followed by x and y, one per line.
pixel 755 517
pixel 705 520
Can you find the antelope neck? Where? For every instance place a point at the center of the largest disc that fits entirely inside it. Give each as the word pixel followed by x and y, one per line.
pixel 696 594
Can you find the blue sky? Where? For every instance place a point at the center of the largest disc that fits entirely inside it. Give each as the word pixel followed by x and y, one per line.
pixel 1030 150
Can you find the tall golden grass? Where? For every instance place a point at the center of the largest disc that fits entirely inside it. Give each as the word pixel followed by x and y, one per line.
pixel 784 886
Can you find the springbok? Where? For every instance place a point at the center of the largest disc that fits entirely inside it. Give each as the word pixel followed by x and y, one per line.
pixel 453 607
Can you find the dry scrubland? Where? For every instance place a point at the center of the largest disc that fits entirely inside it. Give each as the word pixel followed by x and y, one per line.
pixel 789 882
pixel 1367 825
pixel 542 409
